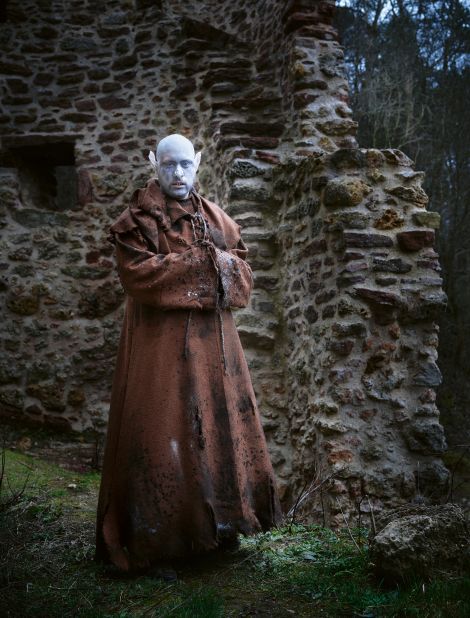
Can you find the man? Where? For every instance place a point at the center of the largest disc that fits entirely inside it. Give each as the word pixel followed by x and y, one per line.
pixel 186 466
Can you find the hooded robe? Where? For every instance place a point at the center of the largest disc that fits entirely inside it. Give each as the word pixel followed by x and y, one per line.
pixel 186 466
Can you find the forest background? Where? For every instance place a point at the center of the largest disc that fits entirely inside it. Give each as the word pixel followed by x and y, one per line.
pixel 409 76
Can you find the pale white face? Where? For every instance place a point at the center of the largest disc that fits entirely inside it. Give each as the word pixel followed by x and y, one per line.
pixel 176 166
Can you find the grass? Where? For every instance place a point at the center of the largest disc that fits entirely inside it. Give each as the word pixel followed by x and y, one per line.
pixel 47 570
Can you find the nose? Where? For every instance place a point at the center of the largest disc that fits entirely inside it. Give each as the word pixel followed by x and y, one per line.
pixel 179 173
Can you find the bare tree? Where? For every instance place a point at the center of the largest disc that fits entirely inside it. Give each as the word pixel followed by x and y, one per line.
pixel 410 87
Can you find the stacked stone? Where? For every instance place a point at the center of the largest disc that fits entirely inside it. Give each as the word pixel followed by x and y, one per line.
pixel 299 101
pixel 339 240
pixel 314 79
pixel 58 293
pixel 111 83
pixel 68 77
pixel 362 286
pixel 248 149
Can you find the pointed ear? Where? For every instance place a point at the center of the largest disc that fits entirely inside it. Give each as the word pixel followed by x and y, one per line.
pixel 153 161
pixel 197 159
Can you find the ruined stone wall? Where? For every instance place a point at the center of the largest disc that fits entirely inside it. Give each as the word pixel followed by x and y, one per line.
pixel 86 91
pixel 360 290
pixel 100 86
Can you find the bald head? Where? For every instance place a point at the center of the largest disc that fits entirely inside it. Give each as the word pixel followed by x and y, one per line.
pixel 175 165
pixel 172 142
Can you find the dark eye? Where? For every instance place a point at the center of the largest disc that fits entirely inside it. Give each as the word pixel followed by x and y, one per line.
pixel 186 163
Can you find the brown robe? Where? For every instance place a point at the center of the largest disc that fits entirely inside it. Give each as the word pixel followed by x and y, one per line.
pixel 185 465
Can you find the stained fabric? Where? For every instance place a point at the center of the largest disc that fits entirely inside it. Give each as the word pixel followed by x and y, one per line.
pixel 186 465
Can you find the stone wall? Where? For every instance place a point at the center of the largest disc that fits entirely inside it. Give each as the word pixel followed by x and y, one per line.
pixel 339 333
pixel 361 288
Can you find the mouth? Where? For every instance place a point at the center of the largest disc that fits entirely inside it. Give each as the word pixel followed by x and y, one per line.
pixel 177 184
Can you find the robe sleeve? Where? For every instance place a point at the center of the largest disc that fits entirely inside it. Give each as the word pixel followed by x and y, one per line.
pixel 185 280
pixel 236 278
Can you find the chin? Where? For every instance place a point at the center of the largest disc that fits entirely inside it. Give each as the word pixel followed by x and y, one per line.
pixel 182 192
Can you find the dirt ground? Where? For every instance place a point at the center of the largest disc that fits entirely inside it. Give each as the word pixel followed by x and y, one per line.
pixel 71 451
pixel 47 546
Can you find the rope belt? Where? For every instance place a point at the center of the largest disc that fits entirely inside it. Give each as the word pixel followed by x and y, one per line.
pixel 202 238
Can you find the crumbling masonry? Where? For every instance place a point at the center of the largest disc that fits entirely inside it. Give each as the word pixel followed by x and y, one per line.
pixel 339 335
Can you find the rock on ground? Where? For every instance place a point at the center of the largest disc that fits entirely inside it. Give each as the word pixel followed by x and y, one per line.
pixel 420 541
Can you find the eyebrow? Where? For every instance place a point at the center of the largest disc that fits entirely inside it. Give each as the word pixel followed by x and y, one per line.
pixel 183 161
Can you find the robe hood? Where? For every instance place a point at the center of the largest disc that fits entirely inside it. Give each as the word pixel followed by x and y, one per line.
pixel 152 212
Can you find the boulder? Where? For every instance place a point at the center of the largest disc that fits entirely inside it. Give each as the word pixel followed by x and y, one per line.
pixel 420 541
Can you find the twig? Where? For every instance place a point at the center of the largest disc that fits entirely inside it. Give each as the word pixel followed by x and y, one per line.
pixel 26 465
pixel 86 598
pixel 164 594
pixel 310 491
pixel 97 448
pixel 463 482
pixel 359 514
pixel 296 504
pixel 87 588
pixel 2 467
pixel 15 496
pixel 417 482
pixel 322 506
pixel 372 516
pixel 347 526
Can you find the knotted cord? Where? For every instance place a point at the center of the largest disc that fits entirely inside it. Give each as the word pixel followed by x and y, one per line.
pixel 202 238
